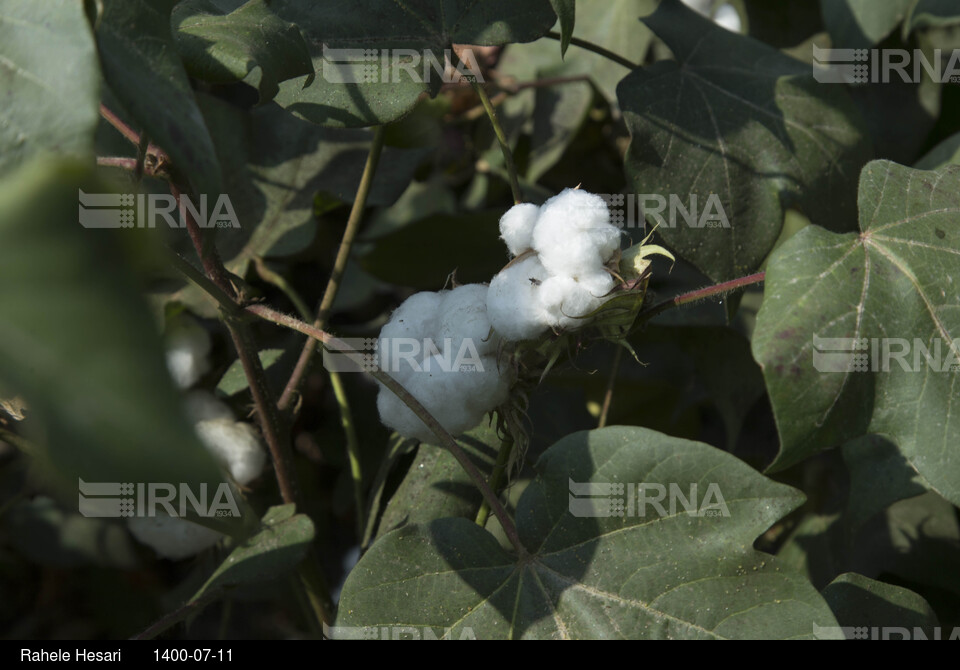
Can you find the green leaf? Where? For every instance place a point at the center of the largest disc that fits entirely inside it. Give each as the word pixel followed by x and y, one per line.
pixel 861 24
pixel 932 14
pixel 664 575
pixel 367 92
pixel 860 602
pixel 893 280
pixel 142 68
pixel 567 13
pixel 79 344
pixel 276 549
pixel 436 486
pixel 223 46
pixel 735 119
pixel 234 379
pixel 879 477
pixel 49 79
pixel 468 243
pixel 945 153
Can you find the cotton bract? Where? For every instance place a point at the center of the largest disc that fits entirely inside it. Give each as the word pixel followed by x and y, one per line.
pixel 563 277
pixel 440 348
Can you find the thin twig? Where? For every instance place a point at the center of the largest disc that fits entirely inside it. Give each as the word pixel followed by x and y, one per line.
pixel 597 49
pixel 339 267
pixel 702 294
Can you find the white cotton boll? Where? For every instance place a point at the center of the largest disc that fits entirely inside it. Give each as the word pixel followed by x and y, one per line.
pixel 187 347
pixel 416 318
pixel 728 17
pixel 204 406
pixel 566 299
pixel 171 537
pixel 513 301
pixel 701 6
pixel 464 321
pixel 574 235
pixel 236 445
pixel 516 227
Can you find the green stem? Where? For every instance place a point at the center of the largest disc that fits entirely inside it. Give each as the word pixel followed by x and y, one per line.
pixel 608 396
pixel 496 476
pixel 501 138
pixel 597 49
pixel 353 447
pixel 339 267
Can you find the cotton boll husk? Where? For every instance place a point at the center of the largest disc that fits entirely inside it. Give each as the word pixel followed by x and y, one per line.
pixel 204 406
pixel 513 301
pixel 463 318
pixel 236 445
pixel 171 537
pixel 187 346
pixel 516 227
pixel 566 298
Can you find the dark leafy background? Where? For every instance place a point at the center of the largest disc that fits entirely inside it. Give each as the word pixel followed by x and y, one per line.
pixel 842 487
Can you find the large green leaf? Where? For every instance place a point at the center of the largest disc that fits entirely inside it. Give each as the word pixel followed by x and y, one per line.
pixel 437 486
pixel 79 344
pixel 861 24
pixel 223 46
pixel 362 91
pixel 142 68
pixel 48 80
pixel 862 603
pixel 668 574
pixel 736 119
pixel 889 286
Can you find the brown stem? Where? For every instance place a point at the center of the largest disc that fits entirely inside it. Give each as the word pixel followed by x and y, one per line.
pixel 115 121
pixel 702 294
pixel 597 49
pixel 441 433
pixel 339 267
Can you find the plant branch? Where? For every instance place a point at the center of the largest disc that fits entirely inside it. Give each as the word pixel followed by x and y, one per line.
pixel 446 440
pixel 115 121
pixel 702 294
pixel 171 619
pixel 597 49
pixel 502 139
pixel 339 267
pixel 608 395
pixel 496 476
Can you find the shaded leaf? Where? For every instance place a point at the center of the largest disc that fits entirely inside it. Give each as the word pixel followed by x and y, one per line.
pixel 861 24
pixel 567 14
pixel 736 119
pixel 234 379
pixel 221 44
pixel 859 602
pixel 663 575
pixel 47 56
pixel 890 286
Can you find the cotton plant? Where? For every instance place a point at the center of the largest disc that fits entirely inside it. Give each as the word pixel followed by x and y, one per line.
pixel 236 446
pixel 566 267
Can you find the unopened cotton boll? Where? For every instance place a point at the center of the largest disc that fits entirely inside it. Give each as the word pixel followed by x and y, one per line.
pixel 513 301
pixel 516 227
pixel 187 347
pixel 171 537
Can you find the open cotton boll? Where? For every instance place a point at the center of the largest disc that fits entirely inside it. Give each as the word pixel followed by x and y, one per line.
pixel 417 317
pixel 187 346
pixel 574 235
pixel 236 445
pixel 204 406
pixel 516 227
pixel 170 537
pixel 728 17
pixel 464 322
pixel 568 299
pixel 513 301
